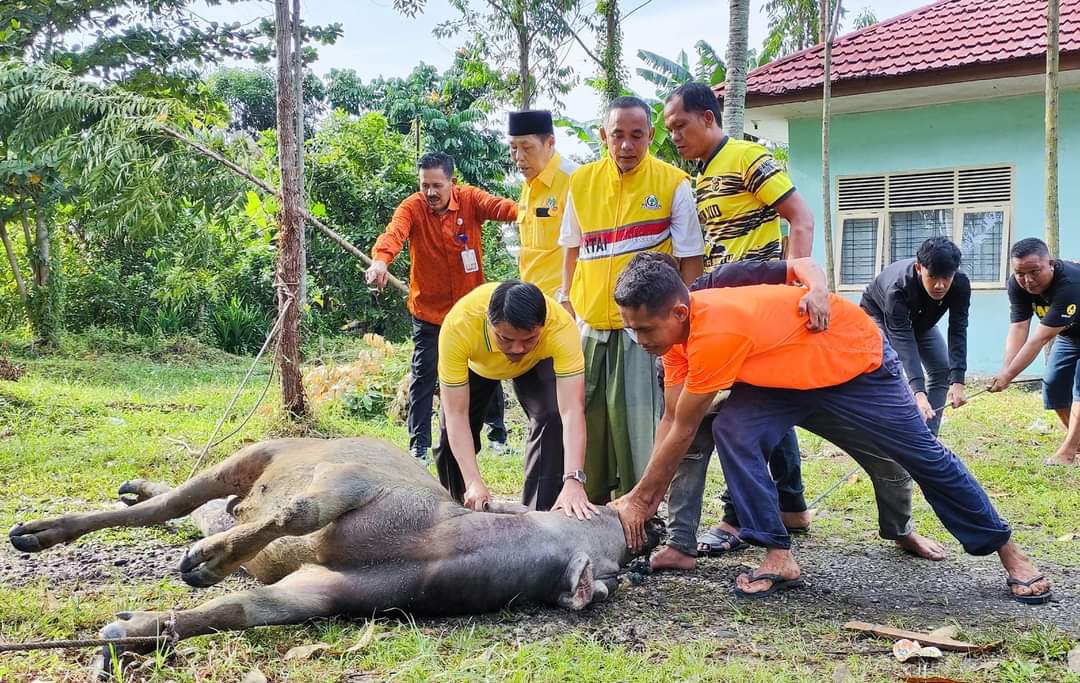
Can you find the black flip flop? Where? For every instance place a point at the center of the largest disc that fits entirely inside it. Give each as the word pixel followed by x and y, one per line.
pixel 715 539
pixel 1039 599
pixel 779 583
pixel 798 530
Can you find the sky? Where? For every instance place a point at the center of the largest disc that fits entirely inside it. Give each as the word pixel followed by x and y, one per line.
pixel 378 41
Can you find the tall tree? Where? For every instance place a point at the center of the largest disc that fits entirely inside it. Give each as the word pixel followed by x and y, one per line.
pixel 290 225
pixel 526 39
pixel 1052 45
pixel 612 76
pixel 793 25
pixel 830 21
pixel 735 81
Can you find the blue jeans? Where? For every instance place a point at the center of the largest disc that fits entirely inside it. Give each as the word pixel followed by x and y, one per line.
pixel 880 406
pixel 1061 381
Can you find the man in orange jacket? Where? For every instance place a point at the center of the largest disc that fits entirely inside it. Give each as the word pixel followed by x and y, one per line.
pixel 442 225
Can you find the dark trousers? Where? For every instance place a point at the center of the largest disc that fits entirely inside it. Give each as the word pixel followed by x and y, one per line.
pixel 934 354
pixel 785 467
pixel 879 404
pixel 535 390
pixel 425 361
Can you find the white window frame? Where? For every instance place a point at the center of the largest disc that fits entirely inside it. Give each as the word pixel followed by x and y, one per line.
pixel 884 226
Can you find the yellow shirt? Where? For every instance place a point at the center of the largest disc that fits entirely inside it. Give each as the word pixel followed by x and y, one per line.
pixel 540 211
pixel 466 342
pixel 735 194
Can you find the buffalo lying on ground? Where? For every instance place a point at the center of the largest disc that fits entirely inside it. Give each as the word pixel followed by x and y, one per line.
pixel 350 527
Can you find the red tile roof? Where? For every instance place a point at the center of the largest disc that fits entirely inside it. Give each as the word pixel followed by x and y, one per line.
pixel 947 35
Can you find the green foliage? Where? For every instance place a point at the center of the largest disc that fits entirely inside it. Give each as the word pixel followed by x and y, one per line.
pixel 360 170
pixel 450 109
pixel 239 327
pixel 251 97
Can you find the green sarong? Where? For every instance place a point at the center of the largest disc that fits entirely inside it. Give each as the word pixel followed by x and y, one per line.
pixel 622 407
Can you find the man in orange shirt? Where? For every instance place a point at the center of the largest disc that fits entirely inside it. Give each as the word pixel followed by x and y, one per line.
pixel 442 224
pixel 835 383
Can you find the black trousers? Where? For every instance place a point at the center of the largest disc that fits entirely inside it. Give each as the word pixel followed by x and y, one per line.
pixel 425 361
pixel 535 391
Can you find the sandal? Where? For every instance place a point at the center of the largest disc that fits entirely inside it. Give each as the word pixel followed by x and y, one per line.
pixel 779 583
pixel 1035 599
pixel 717 542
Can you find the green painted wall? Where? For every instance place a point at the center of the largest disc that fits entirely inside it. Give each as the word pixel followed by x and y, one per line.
pixel 1008 130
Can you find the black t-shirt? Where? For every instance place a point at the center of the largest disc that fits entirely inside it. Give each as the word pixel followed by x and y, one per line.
pixel 1058 306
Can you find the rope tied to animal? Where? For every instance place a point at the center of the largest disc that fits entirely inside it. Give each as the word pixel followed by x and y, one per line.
pixel 168 635
pixel 937 410
pixel 210 442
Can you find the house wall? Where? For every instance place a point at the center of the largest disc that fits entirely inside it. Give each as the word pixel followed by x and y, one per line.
pixel 999 131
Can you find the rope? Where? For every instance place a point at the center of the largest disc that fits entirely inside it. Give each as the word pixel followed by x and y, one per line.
pixel 86 642
pixel 210 442
pixel 847 476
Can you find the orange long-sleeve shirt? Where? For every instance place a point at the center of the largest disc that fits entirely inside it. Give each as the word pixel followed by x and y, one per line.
pixel 437 277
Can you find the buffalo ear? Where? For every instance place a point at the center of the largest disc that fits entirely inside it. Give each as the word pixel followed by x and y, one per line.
pixel 578 577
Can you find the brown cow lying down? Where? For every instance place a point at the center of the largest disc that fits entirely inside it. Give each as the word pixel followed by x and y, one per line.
pixel 351 527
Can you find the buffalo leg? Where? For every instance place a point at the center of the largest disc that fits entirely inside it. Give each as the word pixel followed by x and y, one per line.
pixel 334 490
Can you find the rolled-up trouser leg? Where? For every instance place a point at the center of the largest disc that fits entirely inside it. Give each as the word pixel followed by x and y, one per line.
pixel 746 429
pixel 892 483
pixel 535 391
pixel 880 404
pixel 687 491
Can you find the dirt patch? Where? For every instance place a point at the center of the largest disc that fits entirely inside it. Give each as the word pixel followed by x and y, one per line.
pixel 870 583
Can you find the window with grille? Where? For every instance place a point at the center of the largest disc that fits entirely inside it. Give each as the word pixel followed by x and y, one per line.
pixel 885 218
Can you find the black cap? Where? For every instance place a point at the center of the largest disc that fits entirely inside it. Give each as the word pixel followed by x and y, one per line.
pixel 531 123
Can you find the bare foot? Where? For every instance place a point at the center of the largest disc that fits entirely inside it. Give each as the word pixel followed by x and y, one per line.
pixel 1019 567
pixel 670 558
pixel 921 546
pixel 797 520
pixel 777 561
pixel 1062 458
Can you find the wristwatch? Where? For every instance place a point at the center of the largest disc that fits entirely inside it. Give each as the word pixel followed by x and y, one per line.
pixel 560 296
pixel 578 475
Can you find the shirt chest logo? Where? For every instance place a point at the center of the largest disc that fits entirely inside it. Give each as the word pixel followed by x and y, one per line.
pixel 1070 310
pixel 551 204
pixel 651 202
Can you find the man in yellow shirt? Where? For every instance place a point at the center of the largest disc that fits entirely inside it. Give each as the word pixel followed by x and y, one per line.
pixel 510 330
pixel 543 197
pixel 626 203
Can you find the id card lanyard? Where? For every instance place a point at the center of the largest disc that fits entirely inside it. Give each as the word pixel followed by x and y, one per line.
pixel 468 254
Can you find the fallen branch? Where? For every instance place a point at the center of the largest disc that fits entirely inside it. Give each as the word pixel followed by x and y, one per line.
pixel 924 638
pixel 263 185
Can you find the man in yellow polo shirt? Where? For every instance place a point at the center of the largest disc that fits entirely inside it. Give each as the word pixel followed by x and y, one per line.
pixel 543 197
pixel 510 330
pixel 626 203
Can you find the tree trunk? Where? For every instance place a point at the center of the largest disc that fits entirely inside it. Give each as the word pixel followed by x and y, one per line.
pixel 735 82
pixel 1052 224
pixel 298 82
pixel 827 31
pixel 289 244
pixel 20 284
pixel 523 64
pixel 611 71
pixel 41 247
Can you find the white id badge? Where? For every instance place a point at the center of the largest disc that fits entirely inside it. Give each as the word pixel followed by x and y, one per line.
pixel 468 259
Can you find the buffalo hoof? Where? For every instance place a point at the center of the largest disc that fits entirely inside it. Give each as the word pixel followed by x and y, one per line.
pixel 204 564
pixel 33 537
pixel 137 491
pixel 109 663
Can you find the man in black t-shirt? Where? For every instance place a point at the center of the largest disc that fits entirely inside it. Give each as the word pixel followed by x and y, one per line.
pixel 907 300
pixel 1049 289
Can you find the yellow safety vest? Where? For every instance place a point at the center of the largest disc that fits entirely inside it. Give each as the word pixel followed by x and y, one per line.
pixel 620 214
pixel 540 212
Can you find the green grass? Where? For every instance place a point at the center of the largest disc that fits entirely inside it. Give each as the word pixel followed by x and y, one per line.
pixel 78 424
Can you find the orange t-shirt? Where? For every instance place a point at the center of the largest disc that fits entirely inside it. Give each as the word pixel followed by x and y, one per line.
pixel 755 335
